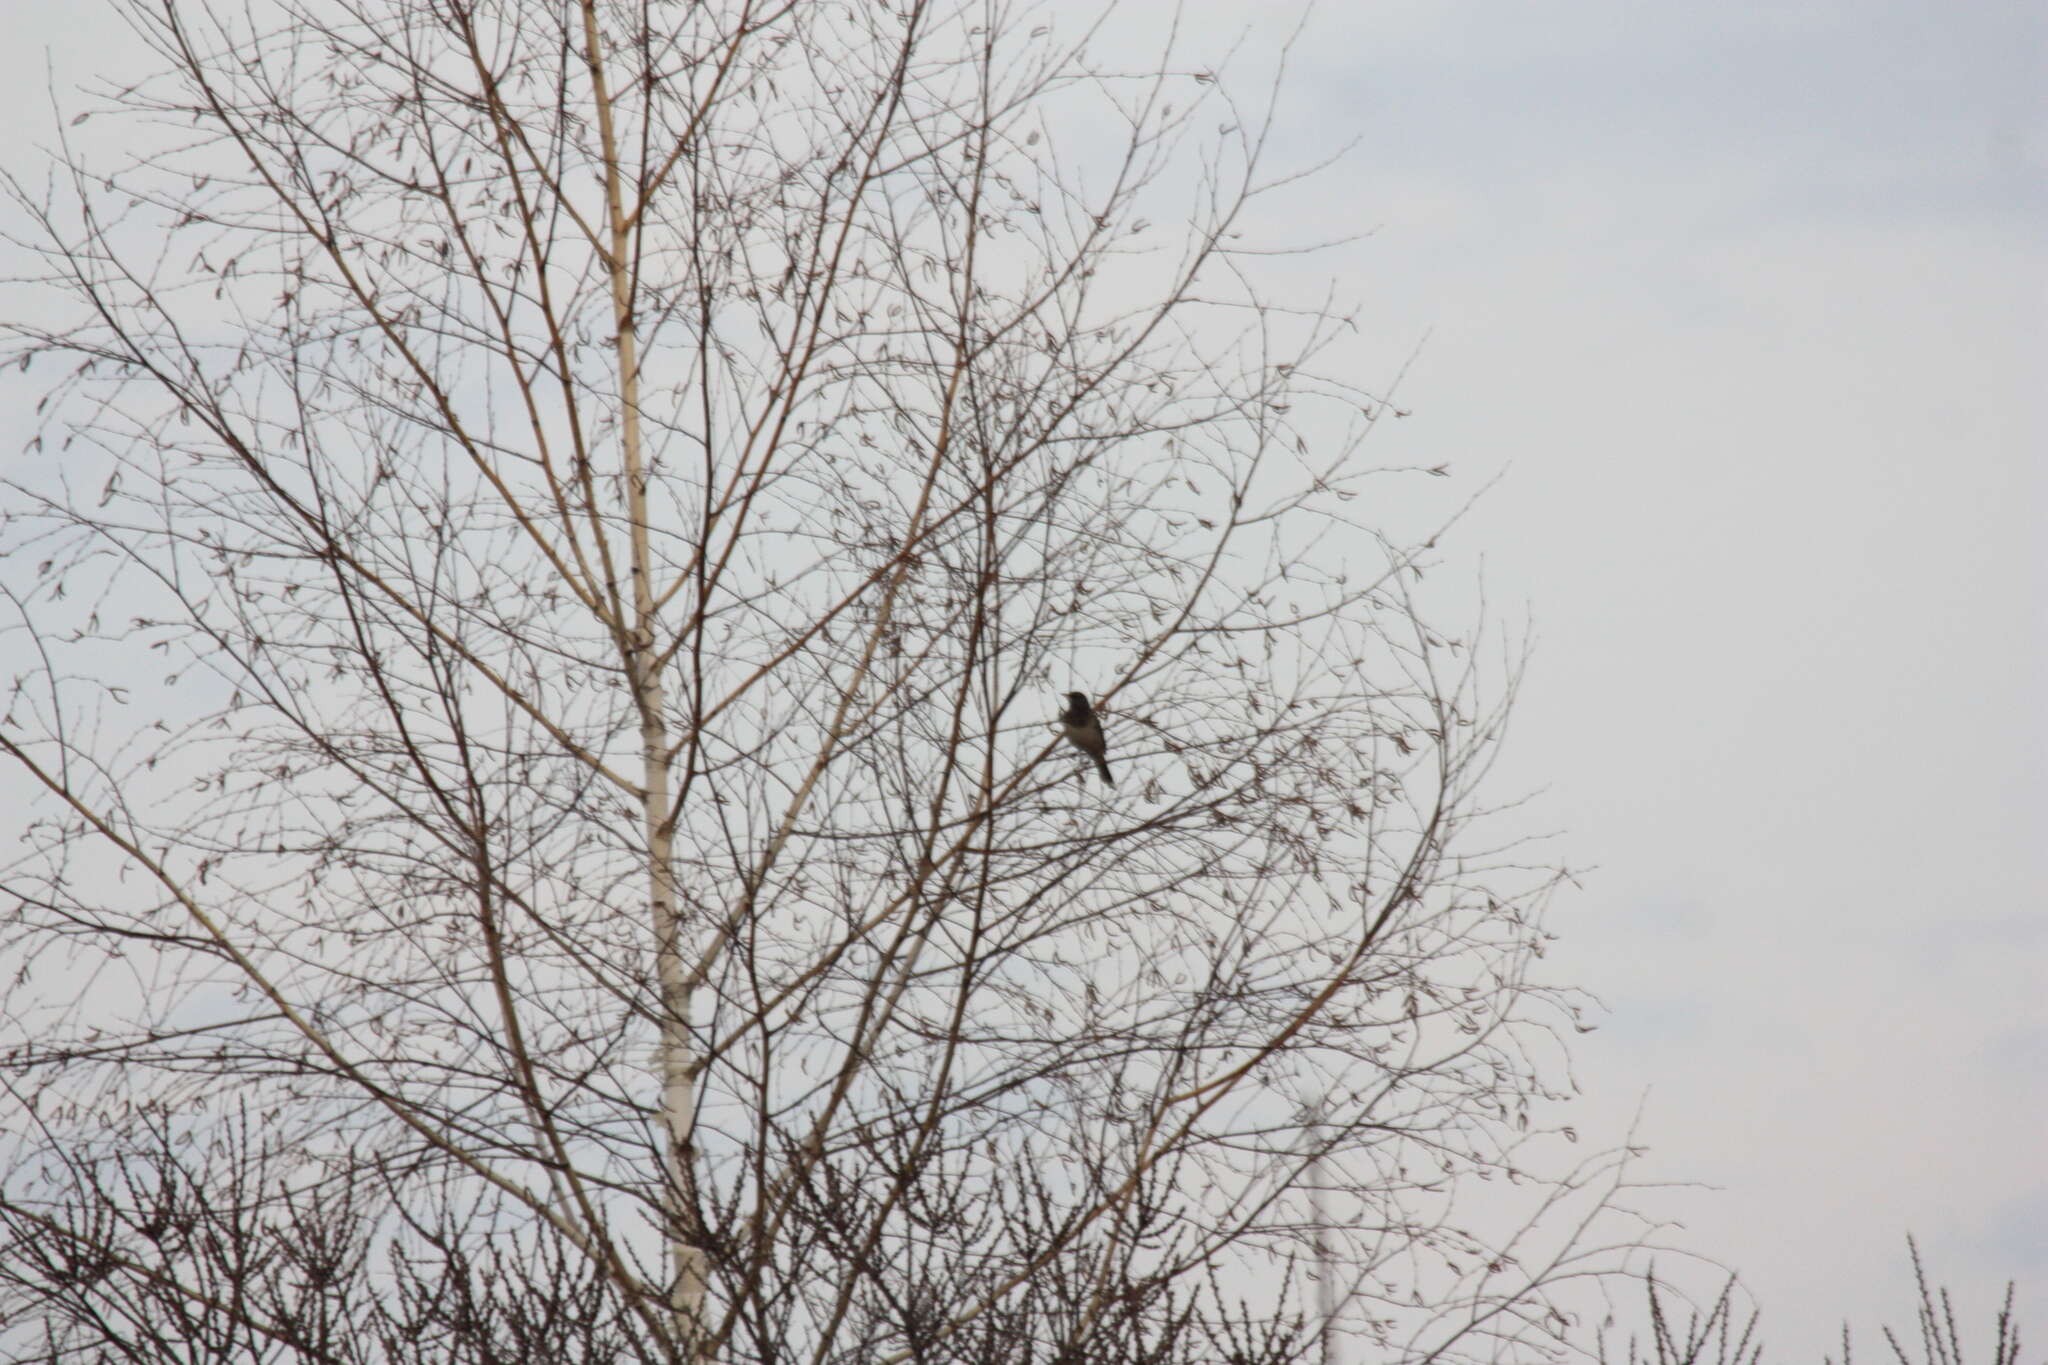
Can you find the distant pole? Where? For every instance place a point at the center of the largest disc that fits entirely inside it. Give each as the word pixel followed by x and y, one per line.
pixel 1326 1282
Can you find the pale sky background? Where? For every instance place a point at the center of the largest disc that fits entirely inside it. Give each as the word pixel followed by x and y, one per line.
pixel 1750 297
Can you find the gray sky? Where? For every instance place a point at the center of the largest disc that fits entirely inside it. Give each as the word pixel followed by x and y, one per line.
pixel 1751 298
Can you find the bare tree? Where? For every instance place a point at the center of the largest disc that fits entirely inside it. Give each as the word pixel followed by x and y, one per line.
pixel 554 552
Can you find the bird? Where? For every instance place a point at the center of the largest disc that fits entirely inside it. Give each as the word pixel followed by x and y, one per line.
pixel 1083 729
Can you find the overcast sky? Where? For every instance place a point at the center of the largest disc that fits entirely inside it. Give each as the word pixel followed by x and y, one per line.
pixel 1749 300
pixel 1750 297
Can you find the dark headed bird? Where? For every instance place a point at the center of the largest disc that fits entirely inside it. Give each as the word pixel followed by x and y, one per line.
pixel 1083 730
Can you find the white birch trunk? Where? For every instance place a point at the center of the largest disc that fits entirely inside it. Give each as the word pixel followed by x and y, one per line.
pixel 639 641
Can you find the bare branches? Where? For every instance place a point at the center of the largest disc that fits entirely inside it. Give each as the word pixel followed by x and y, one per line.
pixel 1721 1332
pixel 575 524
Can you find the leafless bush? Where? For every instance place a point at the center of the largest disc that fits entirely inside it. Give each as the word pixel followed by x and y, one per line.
pixel 1724 1334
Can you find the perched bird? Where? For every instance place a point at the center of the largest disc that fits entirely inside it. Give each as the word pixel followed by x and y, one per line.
pixel 1083 730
